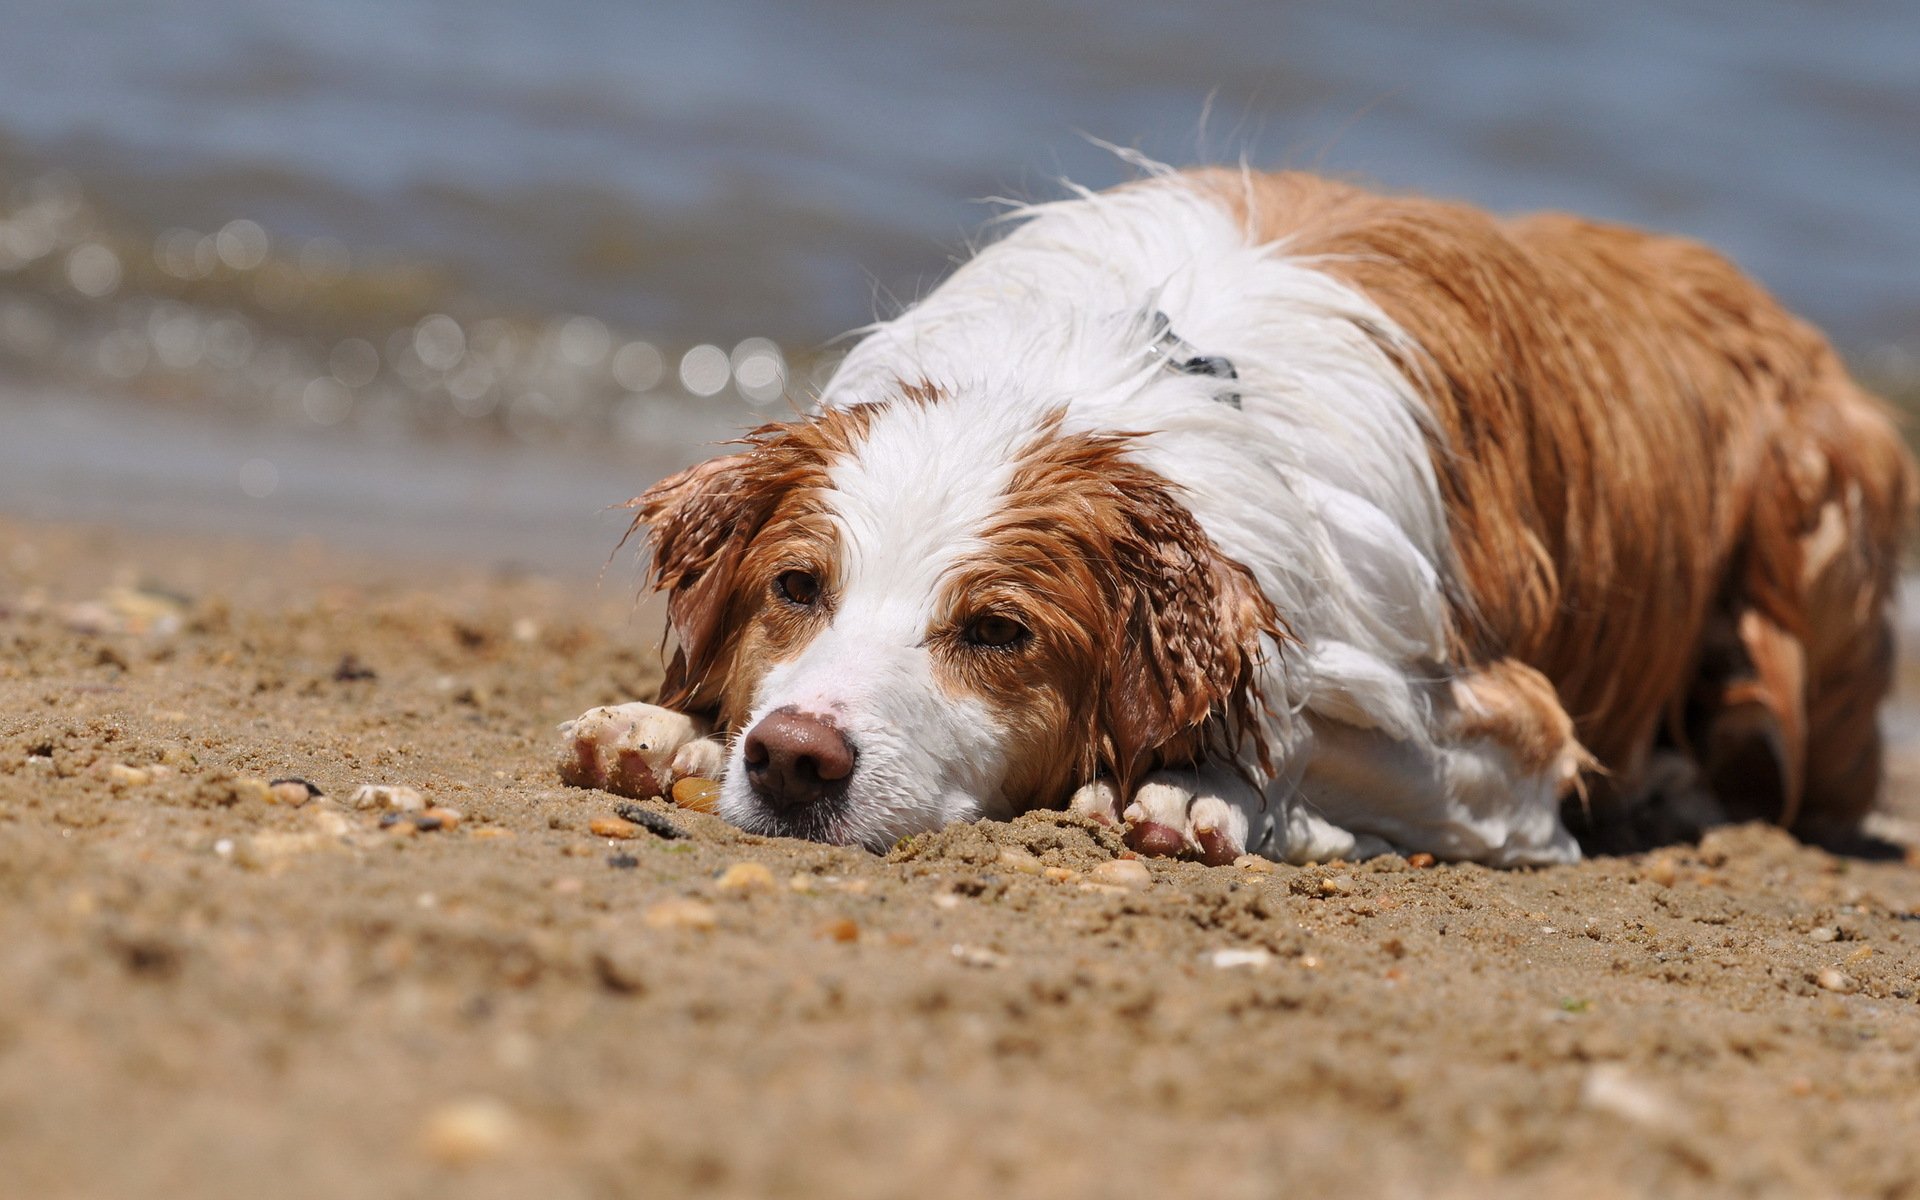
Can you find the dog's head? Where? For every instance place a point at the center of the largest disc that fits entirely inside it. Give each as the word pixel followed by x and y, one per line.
pixel 913 612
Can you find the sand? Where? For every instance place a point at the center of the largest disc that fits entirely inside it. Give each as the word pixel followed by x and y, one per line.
pixel 208 991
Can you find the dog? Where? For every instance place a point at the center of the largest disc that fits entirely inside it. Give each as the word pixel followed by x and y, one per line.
pixel 1263 513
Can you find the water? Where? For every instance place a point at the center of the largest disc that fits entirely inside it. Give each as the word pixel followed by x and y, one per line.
pixel 784 167
pixel 575 240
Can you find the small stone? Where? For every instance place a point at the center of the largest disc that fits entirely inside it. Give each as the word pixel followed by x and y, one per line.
pixel 388 796
pixel 442 818
pixel 1833 979
pixel 1128 873
pixel 329 822
pixel 1859 956
pixel 567 885
pixel 680 914
pixel 1060 874
pixel 947 901
pixel 290 794
pixel 1338 885
pixel 1019 861
pixel 745 877
pixel 979 956
pixel 699 795
pixel 1254 863
pixel 653 822
pixel 613 827
pixel 122 775
pixel 1420 861
pixel 1663 870
pixel 1610 1088
pixel 469 1131
pixel 1823 933
pixel 801 883
pixel 490 833
pixel 1254 958
pixel 622 862
pixel 294 791
pixel 841 930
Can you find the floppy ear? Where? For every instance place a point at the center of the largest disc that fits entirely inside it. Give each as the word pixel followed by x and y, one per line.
pixel 1180 670
pixel 698 525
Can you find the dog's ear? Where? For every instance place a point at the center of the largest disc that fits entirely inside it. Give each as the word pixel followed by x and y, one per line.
pixel 1191 629
pixel 698 525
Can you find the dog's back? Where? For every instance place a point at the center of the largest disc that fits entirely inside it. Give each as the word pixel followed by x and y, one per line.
pixel 1666 494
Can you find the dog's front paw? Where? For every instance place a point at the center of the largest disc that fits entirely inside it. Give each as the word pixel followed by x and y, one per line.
pixel 636 750
pixel 1180 815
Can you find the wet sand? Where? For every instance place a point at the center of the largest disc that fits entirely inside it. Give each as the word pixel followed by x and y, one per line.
pixel 208 991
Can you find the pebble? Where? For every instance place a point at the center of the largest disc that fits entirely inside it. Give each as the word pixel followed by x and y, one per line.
pixel 1663 871
pixel 680 914
pixel 1609 1088
pixel 842 930
pixel 439 817
pixel 490 833
pixel 1833 979
pixel 745 877
pixel 651 821
pixel 1338 885
pixel 613 827
pixel 1421 861
pixel 122 775
pixel 469 1131
pixel 979 956
pixel 289 793
pixel 1859 956
pixel 1019 861
pixel 384 795
pixel 700 795
pixel 1255 958
pixel 1254 863
pixel 1823 933
pixel 1128 873
pixel 1060 874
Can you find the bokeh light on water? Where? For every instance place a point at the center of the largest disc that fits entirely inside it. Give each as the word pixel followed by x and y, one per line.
pixel 239 323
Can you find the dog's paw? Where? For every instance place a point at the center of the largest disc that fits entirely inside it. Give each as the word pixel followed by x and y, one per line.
pixel 636 750
pixel 1179 815
pixel 1097 801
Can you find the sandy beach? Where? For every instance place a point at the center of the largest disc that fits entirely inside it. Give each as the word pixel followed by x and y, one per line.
pixel 211 987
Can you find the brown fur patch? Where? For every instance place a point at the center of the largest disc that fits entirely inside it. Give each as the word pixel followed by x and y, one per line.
pixel 1145 637
pixel 1632 438
pixel 720 532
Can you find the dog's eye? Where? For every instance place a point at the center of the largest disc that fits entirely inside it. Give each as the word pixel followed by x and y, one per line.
pixel 797 587
pixel 997 632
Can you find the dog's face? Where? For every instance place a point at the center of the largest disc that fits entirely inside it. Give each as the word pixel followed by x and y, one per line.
pixel 911 613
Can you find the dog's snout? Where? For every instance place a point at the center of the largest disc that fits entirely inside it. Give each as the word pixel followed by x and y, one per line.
pixel 796 759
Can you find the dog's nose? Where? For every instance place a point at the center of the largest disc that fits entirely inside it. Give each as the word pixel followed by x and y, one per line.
pixel 796 759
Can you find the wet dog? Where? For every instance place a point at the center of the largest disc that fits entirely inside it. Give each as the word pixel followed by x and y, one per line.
pixel 1262 513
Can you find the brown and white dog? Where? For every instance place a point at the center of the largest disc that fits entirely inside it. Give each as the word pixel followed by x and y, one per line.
pixel 1264 513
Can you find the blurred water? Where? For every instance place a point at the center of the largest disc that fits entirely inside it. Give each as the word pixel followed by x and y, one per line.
pixel 717 170
pixel 570 241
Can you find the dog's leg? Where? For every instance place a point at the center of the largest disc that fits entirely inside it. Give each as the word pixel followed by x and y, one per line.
pixel 636 750
pixel 1482 780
